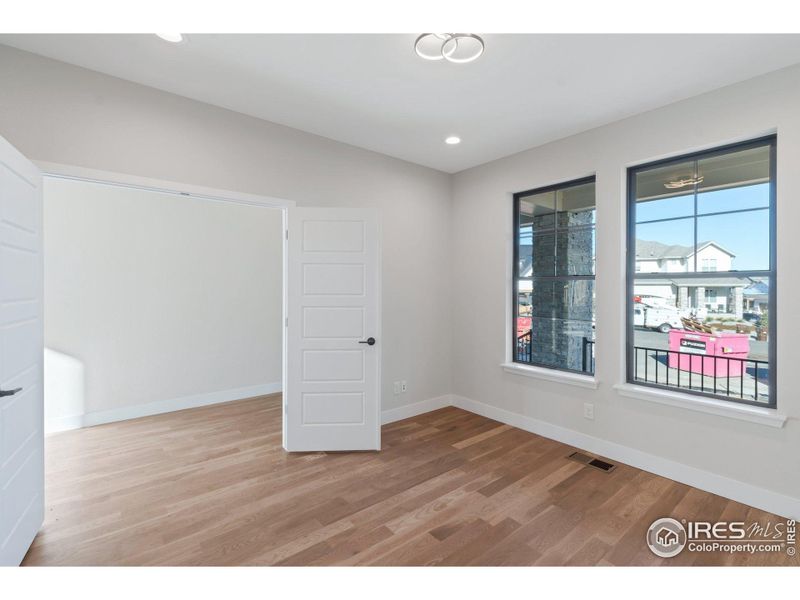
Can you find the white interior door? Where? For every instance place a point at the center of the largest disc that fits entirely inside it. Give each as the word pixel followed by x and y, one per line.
pixel 21 351
pixel 332 381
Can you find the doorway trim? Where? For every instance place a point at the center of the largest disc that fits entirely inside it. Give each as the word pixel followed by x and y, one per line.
pixel 62 171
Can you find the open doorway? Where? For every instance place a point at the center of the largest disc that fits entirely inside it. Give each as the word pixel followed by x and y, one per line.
pixel 147 279
pixel 156 301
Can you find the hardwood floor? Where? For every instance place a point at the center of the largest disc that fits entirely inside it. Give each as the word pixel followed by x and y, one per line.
pixel 212 486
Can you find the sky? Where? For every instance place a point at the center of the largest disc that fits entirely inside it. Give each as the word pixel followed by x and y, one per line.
pixel 744 234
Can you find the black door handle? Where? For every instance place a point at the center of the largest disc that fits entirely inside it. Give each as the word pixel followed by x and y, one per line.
pixel 9 392
pixel 370 341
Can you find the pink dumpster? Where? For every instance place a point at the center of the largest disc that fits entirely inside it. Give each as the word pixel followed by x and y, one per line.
pixel 706 352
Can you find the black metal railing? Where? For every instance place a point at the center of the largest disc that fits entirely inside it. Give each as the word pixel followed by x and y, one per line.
pixel 525 354
pixel 524 347
pixel 732 377
pixel 588 355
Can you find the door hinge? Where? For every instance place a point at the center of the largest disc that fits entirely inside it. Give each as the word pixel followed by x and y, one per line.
pixel 287 234
pixel 287 321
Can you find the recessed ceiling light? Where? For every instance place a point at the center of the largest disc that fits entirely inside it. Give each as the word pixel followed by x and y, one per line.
pixel 175 38
pixel 452 140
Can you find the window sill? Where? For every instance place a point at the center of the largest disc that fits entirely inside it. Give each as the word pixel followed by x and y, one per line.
pixel 742 412
pixel 584 381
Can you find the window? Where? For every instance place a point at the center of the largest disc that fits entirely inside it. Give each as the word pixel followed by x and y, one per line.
pixel 554 269
pixel 701 273
pixel 709 264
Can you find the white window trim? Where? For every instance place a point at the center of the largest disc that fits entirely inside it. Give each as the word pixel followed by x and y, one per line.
pixel 712 406
pixel 547 374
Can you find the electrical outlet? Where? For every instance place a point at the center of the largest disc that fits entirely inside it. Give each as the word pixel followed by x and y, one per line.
pixel 403 386
pixel 588 411
pixel 396 387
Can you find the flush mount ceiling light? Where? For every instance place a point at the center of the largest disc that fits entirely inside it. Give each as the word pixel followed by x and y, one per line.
pixel 452 140
pixel 175 38
pixel 453 47
pixel 681 183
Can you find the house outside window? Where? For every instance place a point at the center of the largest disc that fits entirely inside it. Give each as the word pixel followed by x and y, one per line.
pixel 709 264
pixel 701 273
pixel 711 299
pixel 554 271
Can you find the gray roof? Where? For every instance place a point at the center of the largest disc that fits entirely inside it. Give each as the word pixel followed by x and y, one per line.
pixel 526 265
pixel 758 288
pixel 697 282
pixel 656 250
pixel 711 282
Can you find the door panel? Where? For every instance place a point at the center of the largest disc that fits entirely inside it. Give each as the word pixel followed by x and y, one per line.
pixel 333 236
pixel 333 365
pixel 21 349
pixel 333 280
pixel 324 408
pixel 332 380
pixel 333 322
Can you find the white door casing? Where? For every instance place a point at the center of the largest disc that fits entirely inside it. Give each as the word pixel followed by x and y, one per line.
pixel 332 383
pixel 21 355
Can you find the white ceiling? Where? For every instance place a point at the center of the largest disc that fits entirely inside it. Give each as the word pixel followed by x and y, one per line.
pixel 372 91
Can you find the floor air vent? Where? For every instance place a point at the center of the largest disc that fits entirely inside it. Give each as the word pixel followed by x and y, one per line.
pixel 591 461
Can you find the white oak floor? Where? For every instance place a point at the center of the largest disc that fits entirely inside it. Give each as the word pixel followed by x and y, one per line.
pixel 212 486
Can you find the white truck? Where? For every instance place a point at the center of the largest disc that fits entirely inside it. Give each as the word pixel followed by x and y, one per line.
pixel 661 318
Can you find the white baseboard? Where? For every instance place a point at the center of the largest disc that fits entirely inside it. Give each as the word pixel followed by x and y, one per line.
pixel 158 407
pixel 417 408
pixel 779 504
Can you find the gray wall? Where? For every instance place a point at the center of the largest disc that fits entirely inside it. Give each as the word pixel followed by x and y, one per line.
pixel 59 113
pixel 159 297
pixel 752 453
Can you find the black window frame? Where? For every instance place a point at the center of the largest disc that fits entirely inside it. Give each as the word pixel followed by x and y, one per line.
pixel 631 275
pixel 515 272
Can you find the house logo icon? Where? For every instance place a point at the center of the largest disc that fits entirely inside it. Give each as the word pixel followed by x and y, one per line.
pixel 666 537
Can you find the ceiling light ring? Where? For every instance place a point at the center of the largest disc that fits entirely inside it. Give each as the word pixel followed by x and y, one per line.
pixel 450 44
pixel 454 40
pixel 172 38
pixel 445 37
